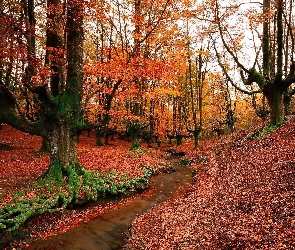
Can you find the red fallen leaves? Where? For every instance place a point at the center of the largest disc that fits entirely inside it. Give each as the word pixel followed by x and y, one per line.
pixel 21 165
pixel 244 198
pixel 48 225
pixel 117 157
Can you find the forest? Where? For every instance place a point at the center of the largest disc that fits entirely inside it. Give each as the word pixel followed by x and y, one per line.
pixel 101 102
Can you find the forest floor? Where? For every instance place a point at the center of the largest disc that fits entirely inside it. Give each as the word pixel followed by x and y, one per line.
pixel 243 195
pixel 21 165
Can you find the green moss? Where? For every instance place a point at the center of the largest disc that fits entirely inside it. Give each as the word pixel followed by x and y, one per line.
pixel 68 105
pixel 260 134
pixel 137 148
pixel 257 77
pixel 53 193
pixel 54 172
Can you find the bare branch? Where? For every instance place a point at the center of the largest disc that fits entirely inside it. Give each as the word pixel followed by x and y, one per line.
pixel 229 78
pixel 223 40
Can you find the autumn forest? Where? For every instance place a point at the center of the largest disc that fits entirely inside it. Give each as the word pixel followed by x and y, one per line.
pixel 104 104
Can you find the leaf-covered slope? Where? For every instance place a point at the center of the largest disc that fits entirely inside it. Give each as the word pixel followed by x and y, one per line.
pixel 244 198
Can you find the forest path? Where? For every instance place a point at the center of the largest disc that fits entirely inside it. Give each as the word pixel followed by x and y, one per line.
pixel 108 232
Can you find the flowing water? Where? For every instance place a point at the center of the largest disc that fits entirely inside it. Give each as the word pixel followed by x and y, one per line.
pixel 108 232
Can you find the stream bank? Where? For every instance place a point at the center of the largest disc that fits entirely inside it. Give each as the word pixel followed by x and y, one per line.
pixel 108 232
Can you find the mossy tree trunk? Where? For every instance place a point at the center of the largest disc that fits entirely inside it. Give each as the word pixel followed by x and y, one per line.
pixel 134 131
pixel 66 108
pixel 58 117
pixel 66 131
pixel 63 152
pixel 274 98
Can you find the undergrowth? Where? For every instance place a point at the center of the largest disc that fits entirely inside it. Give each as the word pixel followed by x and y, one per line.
pixel 49 195
pixel 261 133
pixel 185 161
pixel 137 148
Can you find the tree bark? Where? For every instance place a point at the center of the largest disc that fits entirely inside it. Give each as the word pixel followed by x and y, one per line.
pixel 66 127
pixel 63 153
pixel 287 100
pixel 276 108
pixel 45 146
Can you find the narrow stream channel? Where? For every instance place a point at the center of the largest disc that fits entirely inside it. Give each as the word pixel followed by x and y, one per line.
pixel 107 231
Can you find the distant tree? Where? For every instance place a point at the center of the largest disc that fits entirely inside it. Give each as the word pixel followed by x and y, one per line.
pixel 196 96
pixel 129 58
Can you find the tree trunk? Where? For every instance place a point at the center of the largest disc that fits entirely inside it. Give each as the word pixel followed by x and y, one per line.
pixel 66 128
pixel 271 81
pixel 196 137
pixel 63 153
pixel 134 132
pixel 178 138
pixel 275 102
pixel 276 113
pixel 106 136
pixel 45 146
pixel 99 132
pixel 287 100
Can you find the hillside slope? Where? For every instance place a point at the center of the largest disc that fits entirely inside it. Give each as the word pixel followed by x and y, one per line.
pixel 244 198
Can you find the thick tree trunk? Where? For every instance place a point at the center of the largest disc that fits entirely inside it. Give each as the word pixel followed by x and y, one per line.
pixel 275 102
pixel 65 133
pixel 63 152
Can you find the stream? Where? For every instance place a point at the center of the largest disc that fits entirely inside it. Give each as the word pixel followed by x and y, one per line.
pixel 107 232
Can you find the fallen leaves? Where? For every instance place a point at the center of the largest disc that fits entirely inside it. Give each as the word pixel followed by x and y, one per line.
pixel 244 198
pixel 20 165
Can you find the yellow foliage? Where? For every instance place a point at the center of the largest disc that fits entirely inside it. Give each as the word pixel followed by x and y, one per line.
pixel 203 52
pixel 169 92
